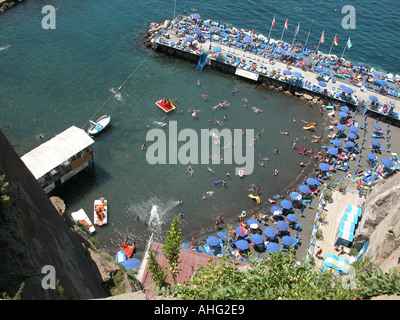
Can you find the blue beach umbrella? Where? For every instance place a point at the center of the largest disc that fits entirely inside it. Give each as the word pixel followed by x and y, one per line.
pixel 318 69
pixel 387 162
pixel 371 156
pixel 350 144
pixel 352 136
pixel 240 231
pixel 217 48
pixel 322 83
pixel 275 209
pixel 273 247
pixel 304 189
pixel 290 52
pixel 253 221
pixel 337 143
pixel 341 127
pixel 198 32
pixel 286 204
pixel 281 50
pixel 242 245
pixel 373 98
pixel 311 181
pixel 212 241
pixel 195 15
pixel 287 72
pixel 346 89
pixel 324 166
pixel 224 236
pixel 189 39
pixel 353 129
pixel 287 240
pixel 291 217
pixel 270 232
pixel 282 225
pixel 257 238
pixel 343 114
pixel 377 127
pixel 132 263
pixel 376 75
pixel 296 74
pixel 247 39
pixel 295 196
pixel 382 83
pixel 345 109
pixel 375 143
pixel 333 151
pixel 361 64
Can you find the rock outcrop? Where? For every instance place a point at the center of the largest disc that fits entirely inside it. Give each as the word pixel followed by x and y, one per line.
pixel 381 224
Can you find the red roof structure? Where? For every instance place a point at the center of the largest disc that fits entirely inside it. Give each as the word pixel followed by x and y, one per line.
pixel 190 262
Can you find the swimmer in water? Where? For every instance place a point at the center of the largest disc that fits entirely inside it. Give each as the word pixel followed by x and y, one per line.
pixel 191 171
pixel 211 170
pixel 276 172
pixel 177 202
pixel 284 132
pixel 160 123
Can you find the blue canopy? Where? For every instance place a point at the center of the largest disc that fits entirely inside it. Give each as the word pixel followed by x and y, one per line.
pixel 273 247
pixel 375 143
pixel 371 156
pixel 212 241
pixel 132 264
pixel 286 204
pixel 341 127
pixel 242 245
pixel 287 72
pixel 304 189
pixel 376 75
pixel 353 129
pixel 324 166
pixel 345 109
pixel 350 144
pixel 276 208
pixel 248 39
pixel 373 98
pixel 287 240
pixel 322 83
pixel 296 74
pixel 189 39
pixel 352 135
pixel 257 238
pixel 251 221
pixel 311 181
pixel 382 83
pixel 343 114
pixel 291 217
pixel 223 236
pixel 295 196
pixel 387 162
pixel 333 151
pixel 337 143
pixel 217 48
pixel 282 225
pixel 238 231
pixel 269 232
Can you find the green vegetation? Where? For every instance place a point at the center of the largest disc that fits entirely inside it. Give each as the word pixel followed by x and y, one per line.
pixel 5 200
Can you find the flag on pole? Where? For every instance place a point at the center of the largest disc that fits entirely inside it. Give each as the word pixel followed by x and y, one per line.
pixel 322 36
pixel 349 45
pixel 297 29
pixel 286 24
pixel 335 40
pixel 273 22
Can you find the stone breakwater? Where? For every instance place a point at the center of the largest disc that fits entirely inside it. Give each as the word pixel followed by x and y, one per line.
pixel 8 4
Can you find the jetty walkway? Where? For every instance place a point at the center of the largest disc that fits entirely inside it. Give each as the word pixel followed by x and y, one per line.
pixel 294 68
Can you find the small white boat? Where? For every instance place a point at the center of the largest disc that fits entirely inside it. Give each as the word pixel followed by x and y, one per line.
pixel 99 125
pixel 100 212
pixel 81 216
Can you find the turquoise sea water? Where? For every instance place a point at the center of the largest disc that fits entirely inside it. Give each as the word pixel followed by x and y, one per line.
pixel 52 79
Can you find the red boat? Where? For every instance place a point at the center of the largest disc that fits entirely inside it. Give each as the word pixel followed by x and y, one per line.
pixel 165 104
pixel 128 250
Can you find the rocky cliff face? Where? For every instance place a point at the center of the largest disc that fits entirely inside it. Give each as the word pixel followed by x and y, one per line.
pixel 33 234
pixel 381 224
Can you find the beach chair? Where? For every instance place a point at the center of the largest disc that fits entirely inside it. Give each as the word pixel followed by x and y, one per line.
pixel 200 249
pixel 208 250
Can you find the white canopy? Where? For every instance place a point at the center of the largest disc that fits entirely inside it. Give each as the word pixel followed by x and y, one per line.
pixel 54 152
